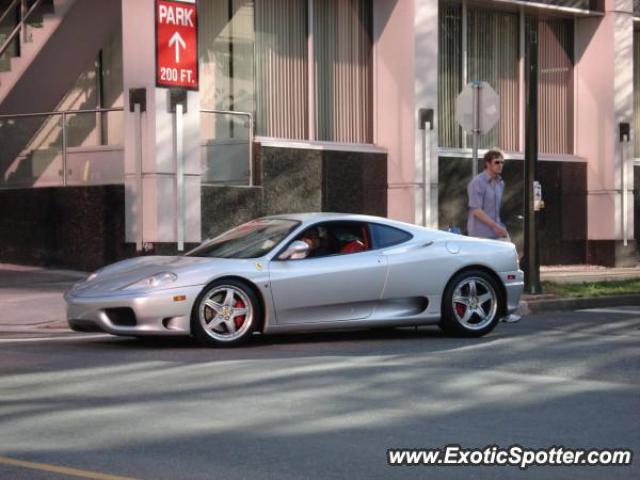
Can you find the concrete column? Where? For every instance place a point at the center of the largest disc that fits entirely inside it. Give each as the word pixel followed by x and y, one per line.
pixel 604 98
pixel 394 100
pixel 426 97
pixel 405 80
pixel 159 181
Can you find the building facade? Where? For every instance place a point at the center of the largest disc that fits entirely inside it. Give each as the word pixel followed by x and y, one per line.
pixel 310 105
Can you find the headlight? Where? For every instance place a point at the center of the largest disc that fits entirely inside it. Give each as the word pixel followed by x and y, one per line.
pixel 94 274
pixel 157 280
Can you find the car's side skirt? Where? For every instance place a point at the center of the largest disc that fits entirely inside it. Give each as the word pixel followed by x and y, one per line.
pixel 431 319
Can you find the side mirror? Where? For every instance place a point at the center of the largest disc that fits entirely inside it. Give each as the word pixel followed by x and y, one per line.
pixel 295 251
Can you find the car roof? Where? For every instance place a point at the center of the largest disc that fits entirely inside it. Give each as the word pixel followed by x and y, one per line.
pixel 314 217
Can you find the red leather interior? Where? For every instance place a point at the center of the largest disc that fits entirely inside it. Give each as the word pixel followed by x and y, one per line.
pixel 353 246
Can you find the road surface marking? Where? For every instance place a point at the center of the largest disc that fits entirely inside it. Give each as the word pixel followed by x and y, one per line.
pixel 74 472
pixel 54 339
pixel 610 310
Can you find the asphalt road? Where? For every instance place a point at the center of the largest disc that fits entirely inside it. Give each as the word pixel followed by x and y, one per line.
pixel 320 406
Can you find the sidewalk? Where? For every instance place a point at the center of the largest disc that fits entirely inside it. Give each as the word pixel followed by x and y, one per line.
pixel 587 273
pixel 31 297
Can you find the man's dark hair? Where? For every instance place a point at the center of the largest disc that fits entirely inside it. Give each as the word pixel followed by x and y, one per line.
pixel 491 155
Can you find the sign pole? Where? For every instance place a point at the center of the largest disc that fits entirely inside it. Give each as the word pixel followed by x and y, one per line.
pixel 532 261
pixel 624 138
pixel 179 145
pixel 476 126
pixel 425 118
pixel 137 122
pixel 177 69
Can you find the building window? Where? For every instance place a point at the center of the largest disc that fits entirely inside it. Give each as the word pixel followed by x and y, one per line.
pixel 450 58
pixel 282 69
pixel 555 86
pixel 492 46
pixel 256 57
pixel 342 68
pixel 492 54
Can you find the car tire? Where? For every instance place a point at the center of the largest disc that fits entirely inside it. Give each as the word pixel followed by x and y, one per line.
pixel 471 305
pixel 225 314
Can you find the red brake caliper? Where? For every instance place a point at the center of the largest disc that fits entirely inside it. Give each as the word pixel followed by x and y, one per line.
pixel 240 319
pixel 460 309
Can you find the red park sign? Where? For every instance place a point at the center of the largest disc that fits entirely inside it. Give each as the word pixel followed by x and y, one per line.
pixel 177 44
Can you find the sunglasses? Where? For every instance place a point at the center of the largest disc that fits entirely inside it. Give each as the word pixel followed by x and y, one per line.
pixel 498 162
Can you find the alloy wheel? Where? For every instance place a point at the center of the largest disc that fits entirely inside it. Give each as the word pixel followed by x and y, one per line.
pixel 225 313
pixel 475 303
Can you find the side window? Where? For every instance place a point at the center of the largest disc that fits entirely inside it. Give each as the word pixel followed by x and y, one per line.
pixel 385 236
pixel 351 237
pixel 336 238
pixel 319 240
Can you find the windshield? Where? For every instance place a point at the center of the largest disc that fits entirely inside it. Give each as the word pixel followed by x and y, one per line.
pixel 250 240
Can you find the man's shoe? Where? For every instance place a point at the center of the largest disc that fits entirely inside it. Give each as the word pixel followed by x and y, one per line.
pixel 513 318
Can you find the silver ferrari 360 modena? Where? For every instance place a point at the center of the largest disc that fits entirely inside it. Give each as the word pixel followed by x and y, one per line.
pixel 305 272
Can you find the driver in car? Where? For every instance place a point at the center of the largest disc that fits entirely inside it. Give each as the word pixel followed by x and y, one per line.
pixel 316 245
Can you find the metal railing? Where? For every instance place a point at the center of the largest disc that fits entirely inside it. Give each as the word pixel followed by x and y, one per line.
pixel 25 14
pixel 40 135
pixel 228 144
pixel 35 147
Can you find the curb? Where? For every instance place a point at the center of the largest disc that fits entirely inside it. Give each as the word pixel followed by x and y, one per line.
pixel 560 304
pixel 53 326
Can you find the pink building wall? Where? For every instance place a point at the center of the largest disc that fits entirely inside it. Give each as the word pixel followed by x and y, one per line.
pixel 604 98
pixel 394 100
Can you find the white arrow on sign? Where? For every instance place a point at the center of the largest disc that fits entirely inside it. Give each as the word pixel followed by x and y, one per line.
pixel 177 40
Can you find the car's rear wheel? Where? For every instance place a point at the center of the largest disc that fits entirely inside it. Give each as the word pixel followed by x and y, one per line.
pixel 225 314
pixel 471 304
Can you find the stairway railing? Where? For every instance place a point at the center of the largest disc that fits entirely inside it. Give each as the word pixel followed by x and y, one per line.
pixel 8 10
pixel 25 14
pixel 62 139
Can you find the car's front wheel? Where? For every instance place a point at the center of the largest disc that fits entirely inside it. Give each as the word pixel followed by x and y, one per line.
pixel 471 304
pixel 225 314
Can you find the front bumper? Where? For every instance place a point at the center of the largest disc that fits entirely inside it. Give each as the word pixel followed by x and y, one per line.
pixel 155 313
pixel 514 286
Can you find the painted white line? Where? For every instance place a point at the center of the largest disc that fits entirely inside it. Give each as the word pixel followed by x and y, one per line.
pixel 74 472
pixel 610 310
pixel 54 339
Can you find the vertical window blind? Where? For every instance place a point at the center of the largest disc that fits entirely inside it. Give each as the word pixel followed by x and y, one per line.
pixel 492 55
pixel 255 57
pixel 226 54
pixel 449 73
pixel 342 66
pixel 555 86
pixel 281 68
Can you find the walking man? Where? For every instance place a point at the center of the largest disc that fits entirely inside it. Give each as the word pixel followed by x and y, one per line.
pixel 485 199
